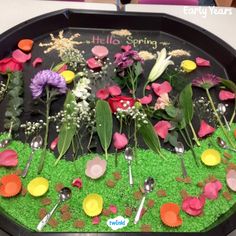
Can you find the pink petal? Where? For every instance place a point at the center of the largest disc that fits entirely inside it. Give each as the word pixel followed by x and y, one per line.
pixel 54 143
pixel 114 90
pixel 146 99
pixel 113 209
pixel 61 69
pixel 202 62
pixel 205 129
pixel 96 220
pixel 195 204
pixel 162 128
pixel 94 64
pixel 126 48
pixel 37 60
pixel 100 51
pixel 119 140
pixel 77 183
pixel 226 95
pixel 162 101
pixel 191 205
pixel 20 56
pixel 102 94
pixel 159 89
pixel 8 158
pixel 218 185
pixel 148 87
pixel 210 191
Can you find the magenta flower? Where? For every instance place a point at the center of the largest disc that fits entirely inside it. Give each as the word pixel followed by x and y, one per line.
pixel 193 205
pixel 207 81
pixel 127 58
pixel 119 140
pixel 47 78
pixel 212 189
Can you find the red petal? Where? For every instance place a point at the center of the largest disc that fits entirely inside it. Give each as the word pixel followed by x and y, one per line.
pixel 93 63
pixel 113 209
pixel 102 94
pixel 77 183
pixel 226 95
pixel 205 129
pixel 159 89
pixel 37 60
pixel 114 90
pixel 162 128
pixel 119 140
pixel 148 87
pixel 54 143
pixel 202 62
pixel 146 99
pixel 96 220
pixel 8 158
pixel 20 56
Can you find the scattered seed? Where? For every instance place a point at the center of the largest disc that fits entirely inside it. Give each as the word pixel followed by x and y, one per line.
pixel 146 228
pixel 179 179
pixel 110 183
pixel 79 224
pixel 128 211
pixel 225 161
pixel 42 213
pixel 23 191
pixel 64 208
pixel 53 222
pixel 66 216
pixel 46 201
pixel 161 193
pixel 138 195
pixel 227 155
pixel 227 195
pixel 187 180
pixel 200 184
pixel 117 175
pixel 59 186
pixel 18 172
pixel 184 193
pixel 106 212
pixel 150 203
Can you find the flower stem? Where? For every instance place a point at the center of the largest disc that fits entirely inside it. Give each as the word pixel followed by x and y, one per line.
pixel 43 154
pixel 116 158
pixel 234 113
pixel 135 139
pixel 194 134
pixel 218 118
pixel 144 88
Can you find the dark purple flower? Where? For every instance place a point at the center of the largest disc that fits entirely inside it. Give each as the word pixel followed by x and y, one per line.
pixel 126 58
pixel 47 78
pixel 207 81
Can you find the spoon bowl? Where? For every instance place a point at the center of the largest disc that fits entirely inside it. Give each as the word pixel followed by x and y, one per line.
pixel 129 158
pixel 35 144
pixel 222 109
pixel 4 143
pixel 223 144
pixel 179 149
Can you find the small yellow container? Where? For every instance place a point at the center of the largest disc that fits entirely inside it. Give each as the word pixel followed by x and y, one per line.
pixel 38 186
pixel 211 157
pixel 188 65
pixel 93 204
pixel 68 75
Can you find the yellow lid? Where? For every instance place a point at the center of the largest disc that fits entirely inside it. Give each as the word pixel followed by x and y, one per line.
pixel 188 65
pixel 38 186
pixel 211 157
pixel 68 75
pixel 93 204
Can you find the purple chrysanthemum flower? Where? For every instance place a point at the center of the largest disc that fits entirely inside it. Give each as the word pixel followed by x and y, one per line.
pixel 207 81
pixel 126 58
pixel 44 78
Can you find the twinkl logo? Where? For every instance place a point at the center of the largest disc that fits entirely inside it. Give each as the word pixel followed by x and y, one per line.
pixel 118 222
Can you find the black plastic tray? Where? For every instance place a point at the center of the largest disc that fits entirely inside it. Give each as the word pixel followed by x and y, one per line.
pixel 212 45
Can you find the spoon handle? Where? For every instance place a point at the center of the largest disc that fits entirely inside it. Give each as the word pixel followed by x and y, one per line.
pixel 226 122
pixel 131 182
pixel 184 171
pixel 25 171
pixel 46 218
pixel 232 149
pixel 137 217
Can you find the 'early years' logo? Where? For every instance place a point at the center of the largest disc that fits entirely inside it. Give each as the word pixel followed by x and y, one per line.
pixel 118 222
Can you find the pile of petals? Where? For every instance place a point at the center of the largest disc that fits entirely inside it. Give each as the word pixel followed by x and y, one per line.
pixel 212 189
pixel 193 205
pixel 104 93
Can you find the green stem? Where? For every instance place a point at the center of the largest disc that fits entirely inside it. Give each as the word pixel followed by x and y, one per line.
pixel 116 158
pixel 7 85
pixel 132 81
pixel 135 139
pixel 194 134
pixel 191 146
pixel 48 104
pixel 234 113
pixel 218 119
pixel 144 88
pixel 184 137
pixel 106 154
pixel 121 125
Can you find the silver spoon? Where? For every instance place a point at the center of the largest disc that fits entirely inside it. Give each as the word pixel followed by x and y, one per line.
pixel 35 144
pixel 129 158
pixel 7 140
pixel 180 150
pixel 148 187
pixel 222 109
pixel 64 195
pixel 223 144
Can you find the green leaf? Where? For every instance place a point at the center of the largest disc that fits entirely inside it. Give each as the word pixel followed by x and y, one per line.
pixel 171 111
pixel 149 137
pixel 185 101
pixel 138 69
pixel 172 138
pixel 229 84
pixel 104 124
pixel 68 129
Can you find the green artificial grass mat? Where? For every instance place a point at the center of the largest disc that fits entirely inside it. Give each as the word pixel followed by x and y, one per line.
pixel 25 209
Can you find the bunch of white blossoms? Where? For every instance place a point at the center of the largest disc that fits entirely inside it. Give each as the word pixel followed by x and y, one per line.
pixel 82 89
